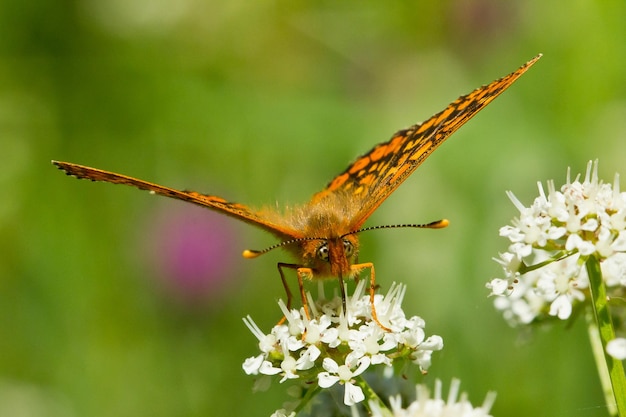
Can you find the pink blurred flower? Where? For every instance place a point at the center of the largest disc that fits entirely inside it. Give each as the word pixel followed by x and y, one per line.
pixel 193 252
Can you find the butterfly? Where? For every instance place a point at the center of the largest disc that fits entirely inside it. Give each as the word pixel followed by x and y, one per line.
pixel 322 234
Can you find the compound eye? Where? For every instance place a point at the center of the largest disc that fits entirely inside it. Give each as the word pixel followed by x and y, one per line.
pixel 348 248
pixel 322 252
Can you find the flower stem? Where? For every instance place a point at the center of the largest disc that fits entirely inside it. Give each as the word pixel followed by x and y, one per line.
pixel 370 394
pixel 615 393
pixel 598 353
pixel 308 396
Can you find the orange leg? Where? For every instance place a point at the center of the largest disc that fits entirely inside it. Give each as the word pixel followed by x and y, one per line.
pixel 304 273
pixel 358 268
pixel 301 273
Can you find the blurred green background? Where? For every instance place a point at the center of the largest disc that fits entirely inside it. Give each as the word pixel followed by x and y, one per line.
pixel 116 303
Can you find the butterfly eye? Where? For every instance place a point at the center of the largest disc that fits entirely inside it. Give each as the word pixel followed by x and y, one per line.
pixel 348 248
pixel 322 252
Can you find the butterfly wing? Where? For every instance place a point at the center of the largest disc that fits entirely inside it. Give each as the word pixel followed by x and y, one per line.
pixel 238 211
pixel 374 176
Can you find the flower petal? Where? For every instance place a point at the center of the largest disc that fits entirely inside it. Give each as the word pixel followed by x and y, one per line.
pixel 326 380
pixel 353 394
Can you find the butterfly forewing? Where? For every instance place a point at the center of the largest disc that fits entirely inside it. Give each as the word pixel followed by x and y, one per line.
pixel 375 175
pixel 238 211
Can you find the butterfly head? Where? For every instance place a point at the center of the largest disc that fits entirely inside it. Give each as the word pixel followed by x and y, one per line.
pixel 328 257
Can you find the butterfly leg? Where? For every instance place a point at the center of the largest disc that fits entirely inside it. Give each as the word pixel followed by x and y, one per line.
pixel 357 268
pixel 301 273
pixel 304 273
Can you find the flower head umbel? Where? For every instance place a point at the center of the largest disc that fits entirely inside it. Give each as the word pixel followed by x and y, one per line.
pixel 332 348
pixel 425 406
pixel 544 272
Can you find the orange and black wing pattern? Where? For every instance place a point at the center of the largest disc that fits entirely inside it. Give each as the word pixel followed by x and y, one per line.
pixel 238 211
pixel 375 175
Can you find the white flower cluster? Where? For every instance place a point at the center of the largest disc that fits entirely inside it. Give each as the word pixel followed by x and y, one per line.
pixel 550 241
pixel 425 406
pixel 332 347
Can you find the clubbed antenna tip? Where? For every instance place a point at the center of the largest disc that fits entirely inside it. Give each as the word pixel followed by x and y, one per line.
pixel 251 254
pixel 439 224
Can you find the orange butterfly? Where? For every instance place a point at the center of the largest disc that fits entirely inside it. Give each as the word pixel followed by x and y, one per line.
pixel 323 233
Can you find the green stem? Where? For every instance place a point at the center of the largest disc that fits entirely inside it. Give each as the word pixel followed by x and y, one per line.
pixel 308 396
pixel 598 354
pixel 370 394
pixel 615 394
pixel 523 269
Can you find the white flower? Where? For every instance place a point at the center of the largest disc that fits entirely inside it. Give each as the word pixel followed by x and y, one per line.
pixel 283 413
pixel 252 365
pixel 423 356
pixel 544 272
pixel 344 374
pixel 331 347
pixel 617 348
pixel 425 406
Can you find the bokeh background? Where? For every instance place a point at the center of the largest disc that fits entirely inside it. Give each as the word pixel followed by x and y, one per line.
pixel 117 303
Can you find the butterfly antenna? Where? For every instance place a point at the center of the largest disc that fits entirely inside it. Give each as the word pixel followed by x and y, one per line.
pixel 439 224
pixel 251 253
